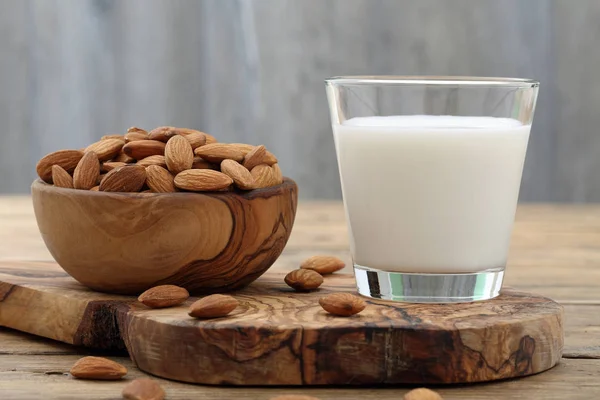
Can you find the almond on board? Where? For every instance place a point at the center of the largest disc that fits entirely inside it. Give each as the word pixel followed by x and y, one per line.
pixel 323 264
pixel 179 154
pixel 99 368
pixel 213 306
pixel 202 180
pixel 144 148
pixel 159 180
pixel 67 159
pixel 342 304
pixel 87 171
pixel 106 149
pixel 61 178
pixel 164 296
pixel 303 279
pixel 143 389
pixel 130 178
pixel 240 175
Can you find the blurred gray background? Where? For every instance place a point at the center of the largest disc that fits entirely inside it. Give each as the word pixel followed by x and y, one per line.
pixel 252 71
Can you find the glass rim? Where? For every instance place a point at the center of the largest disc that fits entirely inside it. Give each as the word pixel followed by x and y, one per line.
pixel 472 81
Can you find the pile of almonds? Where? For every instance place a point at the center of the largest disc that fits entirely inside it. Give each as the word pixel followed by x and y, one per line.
pixel 166 159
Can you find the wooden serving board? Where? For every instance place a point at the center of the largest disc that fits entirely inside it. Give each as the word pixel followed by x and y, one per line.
pixel 280 337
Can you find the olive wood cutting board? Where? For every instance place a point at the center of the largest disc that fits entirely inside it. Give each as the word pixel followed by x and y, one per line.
pixel 279 337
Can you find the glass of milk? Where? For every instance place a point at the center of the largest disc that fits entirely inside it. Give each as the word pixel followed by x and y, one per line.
pixel 430 169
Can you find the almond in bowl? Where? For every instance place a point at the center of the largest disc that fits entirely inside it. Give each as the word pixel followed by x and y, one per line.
pixel 167 207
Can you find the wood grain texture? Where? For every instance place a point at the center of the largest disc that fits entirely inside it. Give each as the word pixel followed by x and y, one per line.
pixel 94 58
pixel 280 337
pixel 129 242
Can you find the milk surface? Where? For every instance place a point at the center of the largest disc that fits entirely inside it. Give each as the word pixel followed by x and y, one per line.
pixel 430 194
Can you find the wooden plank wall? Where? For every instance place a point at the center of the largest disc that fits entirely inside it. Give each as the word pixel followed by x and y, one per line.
pixel 253 70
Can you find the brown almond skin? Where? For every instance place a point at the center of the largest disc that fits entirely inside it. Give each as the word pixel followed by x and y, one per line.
pixel 164 296
pixel 199 163
pixel 303 279
pixel 162 133
pixel 136 129
pixel 422 394
pixel 323 264
pixel 98 368
pixel 342 304
pixel 110 165
pixel 87 171
pixel 106 149
pixel 277 174
pixel 130 178
pixel 67 159
pixel 294 397
pixel 255 157
pixel 153 160
pixel 270 158
pixel 61 178
pixel 95 189
pixel 122 157
pixel 159 180
pixel 217 152
pixel 144 148
pixel 264 176
pixel 179 154
pixel 202 180
pixel 196 139
pixel 213 306
pixel 210 139
pixel 135 136
pixel 242 178
pixel 143 389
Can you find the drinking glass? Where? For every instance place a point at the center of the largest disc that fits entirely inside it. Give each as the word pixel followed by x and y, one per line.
pixel 430 169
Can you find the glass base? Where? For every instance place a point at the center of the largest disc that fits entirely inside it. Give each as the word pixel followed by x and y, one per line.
pixel 428 288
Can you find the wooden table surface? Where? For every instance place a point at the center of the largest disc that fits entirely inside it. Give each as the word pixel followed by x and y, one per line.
pixel 555 251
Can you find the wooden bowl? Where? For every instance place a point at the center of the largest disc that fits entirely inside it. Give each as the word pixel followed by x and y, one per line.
pixel 128 242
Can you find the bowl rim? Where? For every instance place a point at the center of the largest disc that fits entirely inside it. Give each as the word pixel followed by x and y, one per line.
pixel 39 184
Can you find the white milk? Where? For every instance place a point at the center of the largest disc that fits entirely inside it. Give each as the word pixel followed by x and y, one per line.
pixel 430 194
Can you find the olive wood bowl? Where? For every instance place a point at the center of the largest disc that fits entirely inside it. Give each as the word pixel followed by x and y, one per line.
pixel 128 242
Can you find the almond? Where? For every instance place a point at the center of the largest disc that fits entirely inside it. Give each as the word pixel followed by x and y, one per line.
pixel 164 133
pixel 294 397
pixel 98 368
pixel 122 157
pixel 61 178
pixel 264 176
pixel 277 173
pixel 255 157
pixel 422 394
pixel 217 152
pixel 95 189
pixel 243 147
pixel 240 175
pixel 130 178
pixel 153 160
pixel 164 295
pixel 270 158
pixel 136 129
pixel 342 304
pixel 115 136
pixel 67 159
pixel 144 148
pixel 323 264
pixel 303 279
pixel 87 171
pixel 135 136
pixel 106 149
pixel 210 139
pixel 202 180
pixel 213 306
pixel 196 139
pixel 199 163
pixel 179 154
pixel 143 389
pixel 159 180
pixel 110 165
pixel 100 177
